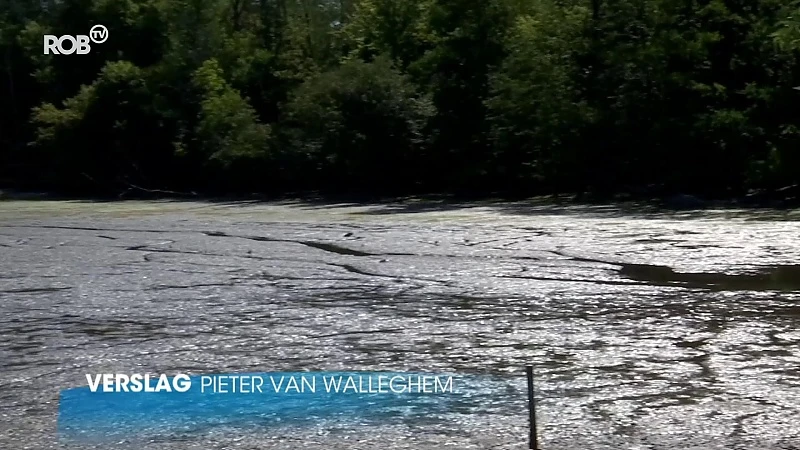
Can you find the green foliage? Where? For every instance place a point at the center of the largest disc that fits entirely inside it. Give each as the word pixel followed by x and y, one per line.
pixel 397 28
pixel 536 109
pixel 361 125
pixel 227 129
pixel 648 96
pixel 787 34
pixel 106 134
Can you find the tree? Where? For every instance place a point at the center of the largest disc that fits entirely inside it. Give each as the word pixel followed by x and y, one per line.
pixel 469 37
pixel 227 129
pixel 536 109
pixel 105 137
pixel 361 126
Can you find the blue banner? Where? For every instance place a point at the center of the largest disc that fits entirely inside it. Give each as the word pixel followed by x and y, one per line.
pixel 115 406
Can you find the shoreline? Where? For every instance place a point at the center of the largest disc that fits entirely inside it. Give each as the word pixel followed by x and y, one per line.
pixel 679 202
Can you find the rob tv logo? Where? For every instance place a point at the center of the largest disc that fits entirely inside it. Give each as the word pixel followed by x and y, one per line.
pixel 68 44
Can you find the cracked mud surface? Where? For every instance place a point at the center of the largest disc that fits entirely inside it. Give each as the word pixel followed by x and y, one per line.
pixel 647 330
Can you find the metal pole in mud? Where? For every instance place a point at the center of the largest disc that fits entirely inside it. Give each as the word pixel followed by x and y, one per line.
pixel 534 444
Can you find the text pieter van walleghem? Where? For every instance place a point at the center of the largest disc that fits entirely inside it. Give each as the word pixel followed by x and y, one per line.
pixel 278 384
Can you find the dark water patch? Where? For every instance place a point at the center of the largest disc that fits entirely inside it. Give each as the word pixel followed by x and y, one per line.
pixel 358 271
pixel 691 344
pixel 468 243
pixel 360 332
pixel 655 241
pixel 569 280
pixel 149 248
pixel 34 290
pixel 327 247
pixel 771 278
pixel 333 248
pixel 581 258
pixel 163 287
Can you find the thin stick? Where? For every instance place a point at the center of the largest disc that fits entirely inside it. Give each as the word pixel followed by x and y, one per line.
pixel 534 444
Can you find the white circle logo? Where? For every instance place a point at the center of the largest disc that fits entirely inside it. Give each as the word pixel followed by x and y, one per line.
pixel 98 34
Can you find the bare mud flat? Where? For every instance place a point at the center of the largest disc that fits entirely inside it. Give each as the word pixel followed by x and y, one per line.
pixel 648 330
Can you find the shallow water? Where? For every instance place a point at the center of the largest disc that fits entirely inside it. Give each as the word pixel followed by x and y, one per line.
pixel 648 330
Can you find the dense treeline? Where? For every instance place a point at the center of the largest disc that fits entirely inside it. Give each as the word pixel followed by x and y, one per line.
pixel 404 96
